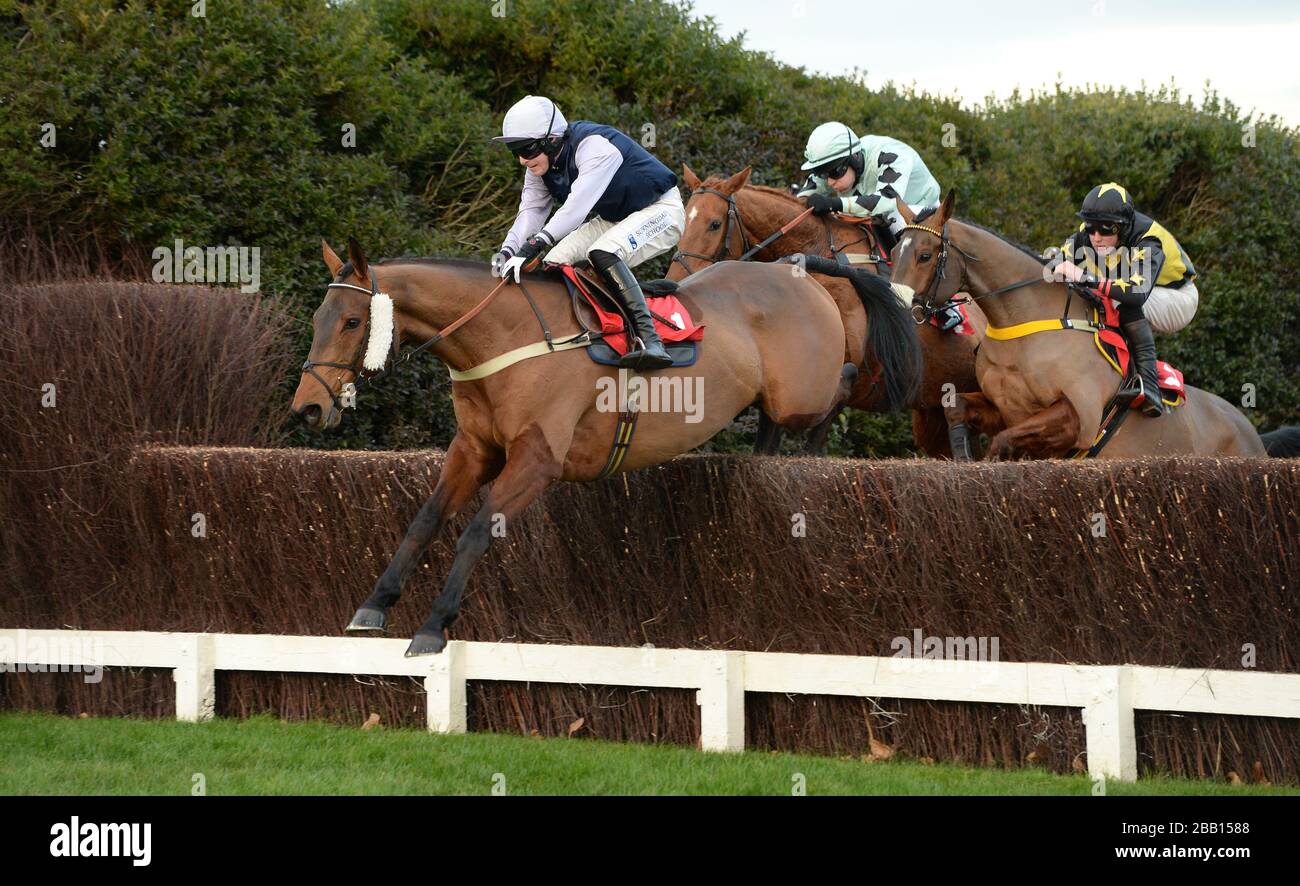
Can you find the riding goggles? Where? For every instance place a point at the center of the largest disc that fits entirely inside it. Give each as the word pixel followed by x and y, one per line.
pixel 527 150
pixel 1106 229
pixel 834 169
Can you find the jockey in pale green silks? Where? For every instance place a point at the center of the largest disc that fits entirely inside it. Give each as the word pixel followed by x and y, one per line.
pixel 867 177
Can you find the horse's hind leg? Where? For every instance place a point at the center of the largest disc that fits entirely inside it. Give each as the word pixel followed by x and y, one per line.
pixel 816 443
pixel 530 468
pixel 464 470
pixel 768 441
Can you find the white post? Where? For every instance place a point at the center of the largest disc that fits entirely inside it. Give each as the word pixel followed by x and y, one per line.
pixel 196 679
pixel 1108 722
pixel 722 703
pixel 445 686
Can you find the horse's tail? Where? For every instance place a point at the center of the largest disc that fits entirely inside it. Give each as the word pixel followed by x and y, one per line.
pixel 891 332
pixel 1282 443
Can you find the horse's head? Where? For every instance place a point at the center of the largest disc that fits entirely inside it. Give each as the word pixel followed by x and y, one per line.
pixel 344 340
pixel 926 260
pixel 713 227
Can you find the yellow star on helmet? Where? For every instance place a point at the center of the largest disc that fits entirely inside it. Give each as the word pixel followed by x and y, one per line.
pixel 1111 186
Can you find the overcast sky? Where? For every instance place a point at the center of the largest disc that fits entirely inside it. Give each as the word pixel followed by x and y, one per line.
pixel 1250 51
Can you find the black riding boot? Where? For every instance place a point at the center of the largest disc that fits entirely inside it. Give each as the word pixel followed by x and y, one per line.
pixel 1145 383
pixel 622 282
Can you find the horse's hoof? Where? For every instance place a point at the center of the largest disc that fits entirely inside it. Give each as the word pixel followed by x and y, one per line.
pixel 426 644
pixel 368 620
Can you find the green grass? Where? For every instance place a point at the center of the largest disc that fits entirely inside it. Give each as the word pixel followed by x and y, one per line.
pixel 46 754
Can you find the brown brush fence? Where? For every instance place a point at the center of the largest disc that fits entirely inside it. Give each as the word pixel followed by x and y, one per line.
pixel 1198 559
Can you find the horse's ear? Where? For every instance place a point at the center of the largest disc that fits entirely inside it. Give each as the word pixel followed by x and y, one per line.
pixel 948 203
pixel 357 256
pixel 737 181
pixel 332 261
pixel 692 180
pixel 905 212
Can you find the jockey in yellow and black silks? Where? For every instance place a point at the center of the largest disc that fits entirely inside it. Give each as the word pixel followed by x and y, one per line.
pixel 1131 258
pixel 615 205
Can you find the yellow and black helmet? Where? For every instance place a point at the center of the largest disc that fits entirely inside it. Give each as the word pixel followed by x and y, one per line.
pixel 1108 203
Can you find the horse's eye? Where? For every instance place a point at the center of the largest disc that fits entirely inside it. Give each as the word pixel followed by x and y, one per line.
pixel 352 323
pixel 924 256
pixel 715 224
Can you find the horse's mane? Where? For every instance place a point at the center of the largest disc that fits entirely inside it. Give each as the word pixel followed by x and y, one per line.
pixel 1027 250
pixel 714 180
pixel 457 261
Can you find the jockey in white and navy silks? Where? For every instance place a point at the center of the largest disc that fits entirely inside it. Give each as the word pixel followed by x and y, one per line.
pixel 618 207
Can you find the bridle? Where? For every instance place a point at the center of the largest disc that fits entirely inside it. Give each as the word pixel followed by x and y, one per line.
pixel 349 389
pixel 361 377
pixel 923 310
pixel 733 219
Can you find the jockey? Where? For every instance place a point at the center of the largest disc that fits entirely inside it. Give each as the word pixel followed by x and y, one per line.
pixel 618 207
pixel 1130 258
pixel 867 177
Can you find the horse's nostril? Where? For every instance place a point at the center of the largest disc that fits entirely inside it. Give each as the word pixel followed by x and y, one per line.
pixel 310 415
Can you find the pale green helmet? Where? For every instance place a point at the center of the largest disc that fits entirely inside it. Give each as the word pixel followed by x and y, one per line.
pixel 828 142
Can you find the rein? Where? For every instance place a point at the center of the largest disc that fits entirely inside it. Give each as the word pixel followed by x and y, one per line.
pixel 923 311
pixel 733 218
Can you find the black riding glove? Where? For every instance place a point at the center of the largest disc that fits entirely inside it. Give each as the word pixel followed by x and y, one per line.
pixel 821 204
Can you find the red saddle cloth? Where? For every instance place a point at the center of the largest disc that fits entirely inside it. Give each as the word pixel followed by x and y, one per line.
pixel 672 320
pixel 1116 349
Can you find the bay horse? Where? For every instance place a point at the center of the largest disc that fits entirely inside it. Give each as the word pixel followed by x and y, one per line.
pixel 728 217
pixel 1043 393
pixel 541 419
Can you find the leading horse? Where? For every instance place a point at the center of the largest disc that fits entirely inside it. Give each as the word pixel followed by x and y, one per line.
pixel 544 417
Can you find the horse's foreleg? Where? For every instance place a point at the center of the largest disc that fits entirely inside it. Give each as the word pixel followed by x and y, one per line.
pixel 530 468
pixel 464 471
pixel 1045 434
pixel 930 432
pixel 971 414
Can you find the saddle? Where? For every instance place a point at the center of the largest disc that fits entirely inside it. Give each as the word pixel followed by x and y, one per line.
pixel 1110 341
pixel 672 319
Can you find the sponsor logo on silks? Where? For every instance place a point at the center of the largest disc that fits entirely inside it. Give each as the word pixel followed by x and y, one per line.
pixel 649 229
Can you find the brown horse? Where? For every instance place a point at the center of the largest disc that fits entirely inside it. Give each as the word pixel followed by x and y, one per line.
pixel 727 217
pixel 1044 392
pixel 548 417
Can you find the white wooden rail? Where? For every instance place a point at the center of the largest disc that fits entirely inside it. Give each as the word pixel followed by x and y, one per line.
pixel 1108 695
